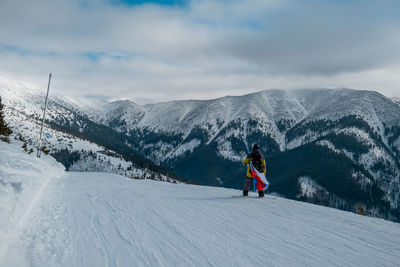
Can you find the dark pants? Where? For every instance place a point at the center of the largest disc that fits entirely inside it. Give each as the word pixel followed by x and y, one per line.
pixel 247 184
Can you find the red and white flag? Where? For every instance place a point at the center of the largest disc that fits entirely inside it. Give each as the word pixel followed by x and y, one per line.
pixel 262 182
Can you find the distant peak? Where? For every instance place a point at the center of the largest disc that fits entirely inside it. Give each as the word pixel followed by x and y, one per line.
pixel 122 102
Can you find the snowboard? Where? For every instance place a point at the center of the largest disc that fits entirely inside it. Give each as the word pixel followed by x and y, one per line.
pixel 255 196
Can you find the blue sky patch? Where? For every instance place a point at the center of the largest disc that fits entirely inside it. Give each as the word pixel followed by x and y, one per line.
pixel 95 56
pixel 24 52
pixel 154 2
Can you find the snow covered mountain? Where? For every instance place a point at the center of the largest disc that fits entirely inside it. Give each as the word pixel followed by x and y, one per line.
pixel 49 217
pixel 72 138
pixel 337 141
pixel 335 147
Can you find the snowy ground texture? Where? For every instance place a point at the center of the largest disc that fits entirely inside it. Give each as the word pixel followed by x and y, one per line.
pixel 52 218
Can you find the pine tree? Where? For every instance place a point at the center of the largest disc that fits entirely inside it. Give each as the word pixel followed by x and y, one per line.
pixel 5 131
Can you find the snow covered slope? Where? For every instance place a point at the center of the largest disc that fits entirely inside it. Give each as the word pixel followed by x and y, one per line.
pixel 23 178
pixel 99 219
pixel 396 99
pixel 76 141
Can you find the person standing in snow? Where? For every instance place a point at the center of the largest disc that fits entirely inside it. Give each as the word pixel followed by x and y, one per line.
pixel 258 162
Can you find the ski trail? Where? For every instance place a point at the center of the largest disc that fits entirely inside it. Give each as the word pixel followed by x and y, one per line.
pixel 97 219
pixel 33 204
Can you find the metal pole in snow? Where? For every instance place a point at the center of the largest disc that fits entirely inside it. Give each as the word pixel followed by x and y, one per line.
pixel 44 115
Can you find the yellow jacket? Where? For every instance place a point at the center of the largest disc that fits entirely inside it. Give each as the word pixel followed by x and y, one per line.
pixel 248 160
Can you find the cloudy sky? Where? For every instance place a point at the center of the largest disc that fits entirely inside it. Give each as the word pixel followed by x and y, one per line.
pixel 151 51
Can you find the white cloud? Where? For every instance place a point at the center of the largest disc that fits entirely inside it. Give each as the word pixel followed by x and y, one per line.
pixel 203 50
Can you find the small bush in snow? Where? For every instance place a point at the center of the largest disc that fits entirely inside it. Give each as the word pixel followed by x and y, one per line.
pixel 25 147
pixel 5 131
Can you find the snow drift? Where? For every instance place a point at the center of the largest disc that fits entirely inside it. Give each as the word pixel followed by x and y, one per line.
pixel 23 179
